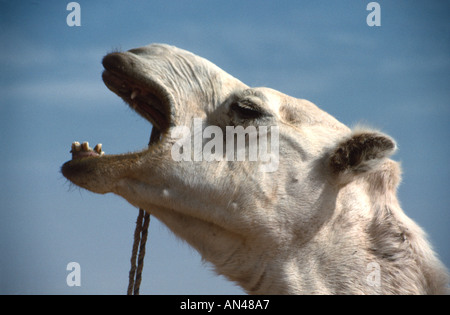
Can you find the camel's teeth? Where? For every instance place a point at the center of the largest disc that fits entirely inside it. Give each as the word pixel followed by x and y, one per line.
pixel 98 148
pixel 134 94
pixel 85 146
pixel 76 147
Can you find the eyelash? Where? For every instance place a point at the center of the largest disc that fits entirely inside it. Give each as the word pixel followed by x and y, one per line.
pixel 246 110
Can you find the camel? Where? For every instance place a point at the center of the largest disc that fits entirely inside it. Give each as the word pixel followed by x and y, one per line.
pixel 325 220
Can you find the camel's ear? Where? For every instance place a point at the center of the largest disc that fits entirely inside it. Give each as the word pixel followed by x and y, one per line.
pixel 362 152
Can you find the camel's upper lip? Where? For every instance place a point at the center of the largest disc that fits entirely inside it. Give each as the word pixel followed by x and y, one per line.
pixel 140 91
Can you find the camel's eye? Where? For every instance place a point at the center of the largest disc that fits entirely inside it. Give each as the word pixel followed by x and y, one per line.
pixel 246 109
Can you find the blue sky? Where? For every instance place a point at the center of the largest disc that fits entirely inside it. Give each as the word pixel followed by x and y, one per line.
pixel 394 77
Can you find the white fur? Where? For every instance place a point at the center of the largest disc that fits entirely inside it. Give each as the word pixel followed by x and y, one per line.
pixel 298 230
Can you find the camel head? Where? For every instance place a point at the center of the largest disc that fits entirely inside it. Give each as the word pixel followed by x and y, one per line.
pixel 263 185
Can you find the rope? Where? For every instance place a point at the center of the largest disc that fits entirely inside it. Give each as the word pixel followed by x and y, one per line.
pixel 137 240
pixel 140 238
pixel 141 253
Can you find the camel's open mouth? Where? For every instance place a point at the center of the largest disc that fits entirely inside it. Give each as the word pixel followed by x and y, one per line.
pixel 142 93
pixel 123 75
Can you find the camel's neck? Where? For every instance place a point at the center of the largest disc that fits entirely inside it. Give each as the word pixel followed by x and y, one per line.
pixel 369 246
pixel 366 245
